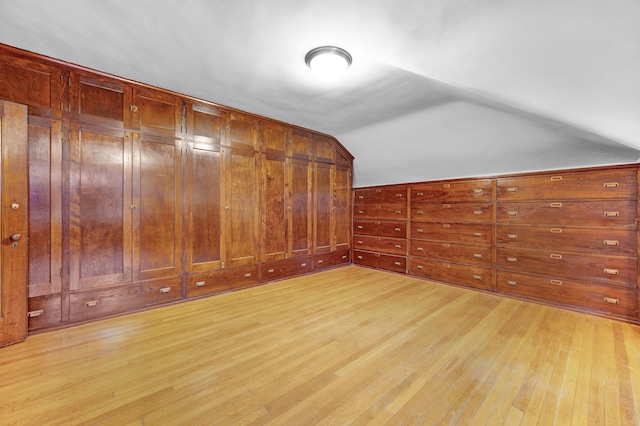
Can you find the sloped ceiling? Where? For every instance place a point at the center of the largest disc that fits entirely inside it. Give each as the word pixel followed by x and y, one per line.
pixel 437 89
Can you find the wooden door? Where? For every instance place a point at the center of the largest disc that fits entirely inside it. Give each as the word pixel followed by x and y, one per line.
pixel 342 208
pixel 300 202
pixel 14 214
pixel 323 189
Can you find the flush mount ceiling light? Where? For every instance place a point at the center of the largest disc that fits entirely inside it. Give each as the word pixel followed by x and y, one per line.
pixel 328 62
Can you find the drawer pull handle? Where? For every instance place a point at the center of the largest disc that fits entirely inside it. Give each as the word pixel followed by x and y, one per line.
pixel 477 277
pixel 419 194
pixel 344 256
pixel 398 246
pixel 359 257
pixel 477 234
pixel 512 189
pixel 611 214
pixel 378 190
pixel 397 263
pixel 611 242
pixel 512 283
pixel 247 275
pixel 512 213
pixel 556 205
pixel 376 254
pixel 359 242
pixel 359 226
pixel 555 282
pixel 446 185
pixel 512 236
pixel 377 222
pixel 303 265
pixel 360 212
pixel 420 249
pixel 446 225
pixel 477 192
pixel 556 256
pixel 398 211
pixel 420 230
pixel 378 206
pixel 164 290
pixel 556 230
pixel 477 212
pixel 33 314
pixel 446 206
pixel 361 197
pixel 556 178
pixel 512 259
pixel 399 195
pixel 320 262
pixel 91 303
pixel 610 271
pixel 446 265
pixel 477 255
pixel 420 212
pixel 271 271
pixel 420 267
pixel 611 300
pixel 398 229
pixel 446 245
pixel 611 185
pixel 200 284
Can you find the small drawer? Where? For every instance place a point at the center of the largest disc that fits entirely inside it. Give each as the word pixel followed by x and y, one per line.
pixel 380 261
pixel 327 260
pixel 380 228
pixel 397 246
pixel 479 234
pixel 380 211
pixel 222 280
pixel 285 268
pixel 451 212
pixel 465 191
pixel 44 312
pixel 452 252
pixel 472 276
pixel 380 195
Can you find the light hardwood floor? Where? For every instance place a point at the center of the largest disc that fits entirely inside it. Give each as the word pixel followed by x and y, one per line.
pixel 346 346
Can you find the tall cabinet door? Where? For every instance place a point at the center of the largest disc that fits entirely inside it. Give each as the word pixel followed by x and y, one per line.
pixel 342 208
pixel 15 226
pixel 323 221
pixel 300 219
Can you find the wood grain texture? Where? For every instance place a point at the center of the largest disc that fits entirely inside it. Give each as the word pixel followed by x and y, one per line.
pixel 346 346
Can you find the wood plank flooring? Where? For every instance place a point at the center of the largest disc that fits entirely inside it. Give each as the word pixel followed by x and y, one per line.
pixel 346 346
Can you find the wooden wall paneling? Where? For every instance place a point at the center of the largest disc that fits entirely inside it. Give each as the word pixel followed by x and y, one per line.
pixel 14 215
pixel 300 209
pixel 100 101
pixel 301 144
pixel 156 113
pixel 342 208
pixel 156 208
pixel 323 207
pixel 40 86
pixel 100 199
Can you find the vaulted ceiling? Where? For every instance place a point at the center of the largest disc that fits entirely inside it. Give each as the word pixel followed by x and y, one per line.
pixel 437 89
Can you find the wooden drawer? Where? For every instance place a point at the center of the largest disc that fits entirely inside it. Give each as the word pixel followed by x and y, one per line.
pixel 473 276
pixel 328 260
pixel 609 242
pixel 470 191
pixel 380 211
pixel 452 232
pixel 602 184
pixel 44 311
pixel 380 261
pixel 615 300
pixel 222 280
pixel 381 195
pixel 380 228
pixel 452 252
pixel 614 213
pixel 456 212
pixel 387 245
pixel 99 303
pixel 612 270
pixel 285 268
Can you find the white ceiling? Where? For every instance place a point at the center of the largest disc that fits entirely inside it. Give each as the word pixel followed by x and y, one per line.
pixel 437 89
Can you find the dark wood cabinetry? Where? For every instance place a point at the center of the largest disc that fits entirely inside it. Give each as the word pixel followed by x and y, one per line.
pixel 140 196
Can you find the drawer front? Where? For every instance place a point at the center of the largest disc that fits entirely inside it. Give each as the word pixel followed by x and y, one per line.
pixel 381 195
pixel 614 300
pixel 286 268
pixel 380 244
pixel 328 260
pixel 380 211
pixel 615 213
pixel 380 261
pixel 472 276
pixel 91 304
pixel 452 232
pixel 452 252
pixel 621 271
pixel 471 191
pixel 44 311
pixel 605 184
pixel 609 242
pixel 380 228
pixel 446 212
pixel 222 280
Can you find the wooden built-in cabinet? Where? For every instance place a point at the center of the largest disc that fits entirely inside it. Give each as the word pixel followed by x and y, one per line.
pixel 568 238
pixel 141 197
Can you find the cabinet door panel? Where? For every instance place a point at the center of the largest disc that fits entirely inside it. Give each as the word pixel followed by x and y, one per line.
pixel 45 206
pixel 323 205
pixel 102 102
pixel 156 112
pixel 325 149
pixel 300 219
pixel 100 218
pixel 274 138
pixel 342 210
pixel 274 214
pixel 157 216
pixel 301 146
pixel 242 132
pixel 206 126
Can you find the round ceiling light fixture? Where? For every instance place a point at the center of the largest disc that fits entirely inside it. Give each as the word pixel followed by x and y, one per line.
pixel 328 62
